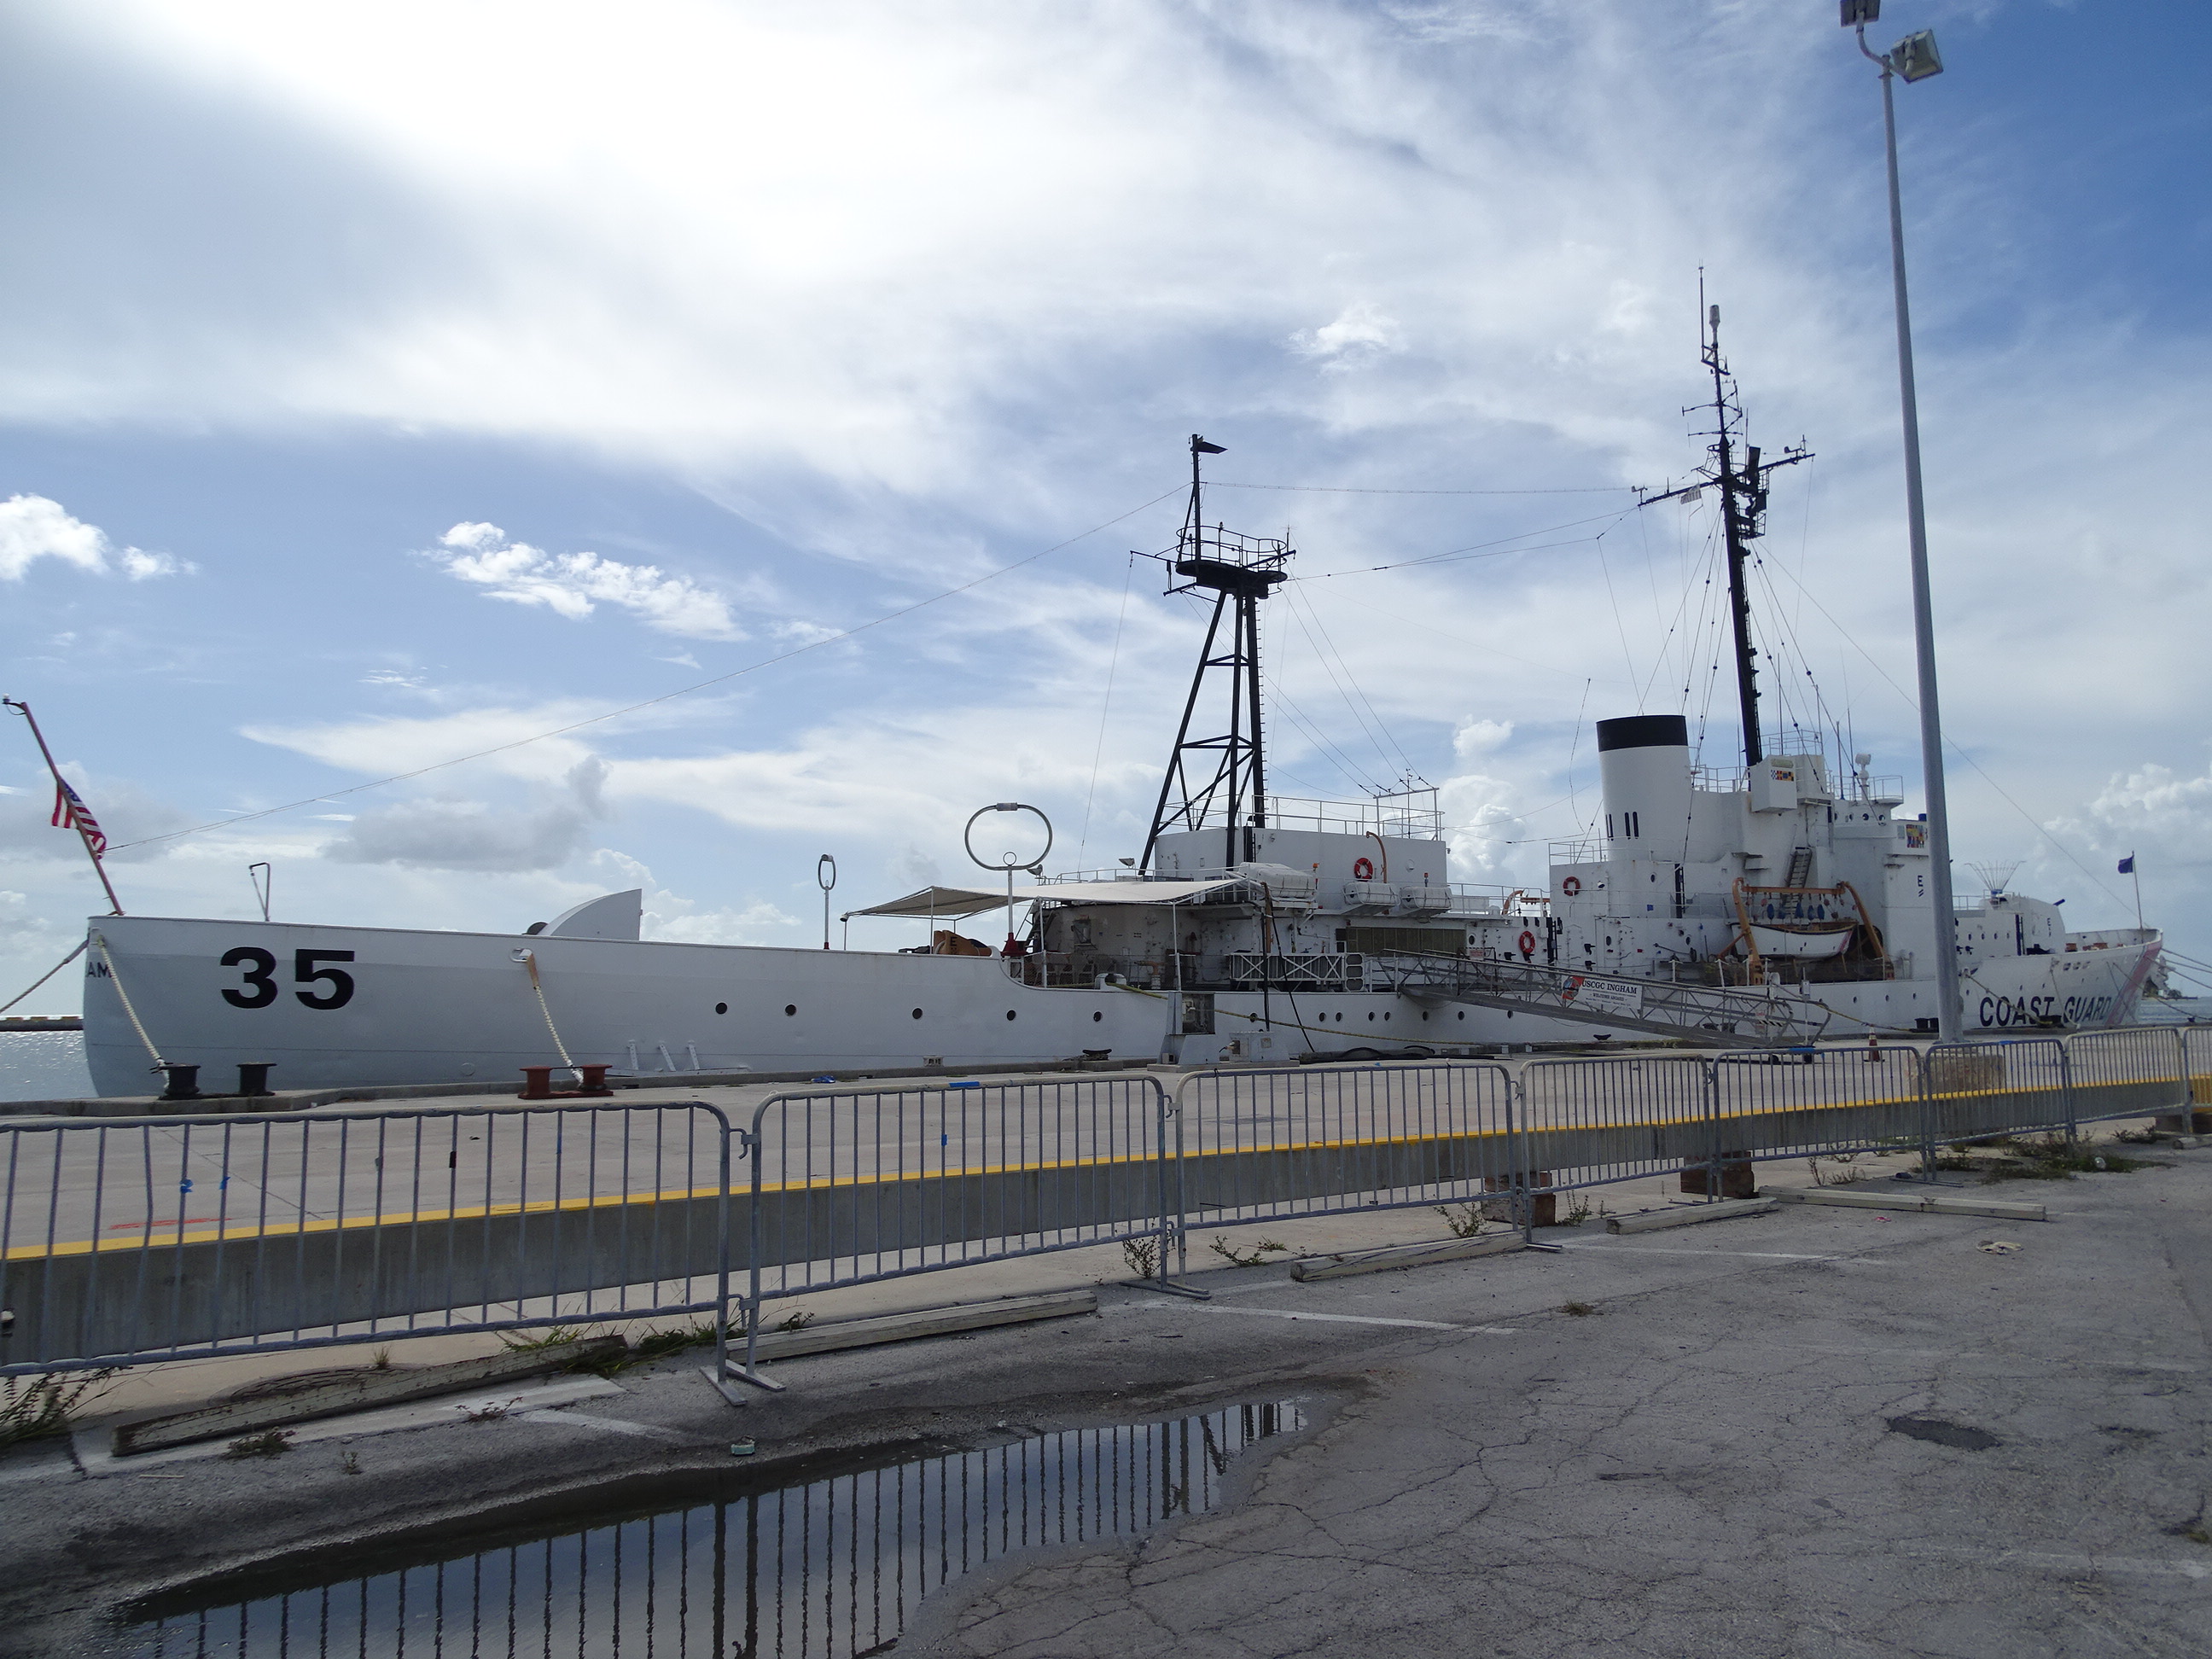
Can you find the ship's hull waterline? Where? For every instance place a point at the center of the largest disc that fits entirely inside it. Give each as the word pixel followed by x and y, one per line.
pixel 339 1006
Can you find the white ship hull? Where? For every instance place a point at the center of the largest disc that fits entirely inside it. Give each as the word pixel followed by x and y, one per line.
pixel 441 1007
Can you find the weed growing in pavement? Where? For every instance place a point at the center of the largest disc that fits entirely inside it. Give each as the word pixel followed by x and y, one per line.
pixel 491 1410
pixel 349 1463
pixel 1579 1310
pixel 270 1443
pixel 32 1408
pixel 1253 1258
pixel 1464 1219
pixel 659 1345
pixel 798 1321
pixel 1579 1209
pixel 1143 1255
pixel 379 1359
pixel 1833 1177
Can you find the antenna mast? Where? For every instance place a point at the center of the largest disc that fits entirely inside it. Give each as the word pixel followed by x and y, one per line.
pixel 1743 518
pixel 1232 782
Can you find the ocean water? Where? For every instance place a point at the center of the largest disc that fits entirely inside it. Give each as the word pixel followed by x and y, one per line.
pixel 44 1066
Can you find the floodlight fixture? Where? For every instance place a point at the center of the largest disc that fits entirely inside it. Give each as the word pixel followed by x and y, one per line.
pixel 1858 13
pixel 1915 56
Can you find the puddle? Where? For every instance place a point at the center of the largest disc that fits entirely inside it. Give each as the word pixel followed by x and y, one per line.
pixel 830 1569
pixel 1959 1436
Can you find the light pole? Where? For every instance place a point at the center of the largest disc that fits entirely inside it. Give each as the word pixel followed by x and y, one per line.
pixel 825 878
pixel 1915 57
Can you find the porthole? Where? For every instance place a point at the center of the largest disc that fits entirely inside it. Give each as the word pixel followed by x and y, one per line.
pixel 721 1008
pixel 1462 1013
pixel 1370 1016
pixel 790 1007
pixel 1095 1018
pixel 1386 1017
pixel 917 1013
pixel 1010 1013
pixel 1424 1013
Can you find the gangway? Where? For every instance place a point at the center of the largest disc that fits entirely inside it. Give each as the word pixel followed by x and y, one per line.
pixel 1731 1017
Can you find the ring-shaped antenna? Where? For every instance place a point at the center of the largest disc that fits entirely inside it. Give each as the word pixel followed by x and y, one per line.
pixel 1008 861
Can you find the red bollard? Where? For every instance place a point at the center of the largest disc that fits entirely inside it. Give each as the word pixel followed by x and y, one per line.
pixel 537 1083
pixel 594 1082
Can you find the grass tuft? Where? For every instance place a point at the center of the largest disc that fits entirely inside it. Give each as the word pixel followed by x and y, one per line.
pixel 270 1443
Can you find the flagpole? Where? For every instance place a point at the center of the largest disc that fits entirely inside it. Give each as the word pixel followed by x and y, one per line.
pixel 2135 875
pixel 84 834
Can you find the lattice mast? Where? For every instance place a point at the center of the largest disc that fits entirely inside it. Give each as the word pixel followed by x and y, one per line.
pixel 1225 775
pixel 1742 488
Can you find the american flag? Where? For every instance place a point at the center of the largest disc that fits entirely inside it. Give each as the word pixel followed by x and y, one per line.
pixel 71 813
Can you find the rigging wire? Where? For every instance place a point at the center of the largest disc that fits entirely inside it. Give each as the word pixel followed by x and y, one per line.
pixel 1380 724
pixel 1619 627
pixel 1356 490
pixel 1913 703
pixel 1328 668
pixel 666 696
pixel 1450 554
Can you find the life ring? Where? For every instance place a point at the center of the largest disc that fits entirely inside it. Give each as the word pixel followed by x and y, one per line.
pixel 1363 869
pixel 1528 943
pixel 1572 885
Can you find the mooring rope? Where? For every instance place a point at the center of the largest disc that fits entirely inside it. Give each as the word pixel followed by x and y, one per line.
pixel 529 959
pixel 99 943
pixel 49 974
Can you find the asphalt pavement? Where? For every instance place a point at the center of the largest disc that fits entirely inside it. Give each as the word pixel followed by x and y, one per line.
pixel 1817 1432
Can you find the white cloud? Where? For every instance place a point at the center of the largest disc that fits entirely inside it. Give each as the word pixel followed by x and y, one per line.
pixel 1361 333
pixel 33 528
pixel 573 584
pixel 1476 736
pixel 442 833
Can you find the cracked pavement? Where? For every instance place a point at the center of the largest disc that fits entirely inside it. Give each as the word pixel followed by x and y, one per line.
pixel 1707 1458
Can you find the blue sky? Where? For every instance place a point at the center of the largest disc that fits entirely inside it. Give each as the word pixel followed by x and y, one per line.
pixel 388 383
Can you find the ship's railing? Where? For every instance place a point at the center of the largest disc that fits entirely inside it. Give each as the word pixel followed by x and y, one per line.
pixel 1578 849
pixel 133 1242
pixel 1396 816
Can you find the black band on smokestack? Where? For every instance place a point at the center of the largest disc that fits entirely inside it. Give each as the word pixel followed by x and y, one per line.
pixel 1644 731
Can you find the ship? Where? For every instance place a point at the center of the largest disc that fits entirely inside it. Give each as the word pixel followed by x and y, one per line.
pixel 1783 901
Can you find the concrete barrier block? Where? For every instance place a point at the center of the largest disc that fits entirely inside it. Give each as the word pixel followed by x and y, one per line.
pixel 1404 1255
pixel 1925 1203
pixel 1689 1214
pixel 921 1321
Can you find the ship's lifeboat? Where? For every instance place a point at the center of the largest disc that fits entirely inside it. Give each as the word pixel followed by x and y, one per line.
pixel 1803 938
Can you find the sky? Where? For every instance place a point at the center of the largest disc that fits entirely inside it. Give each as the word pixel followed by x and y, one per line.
pixel 549 448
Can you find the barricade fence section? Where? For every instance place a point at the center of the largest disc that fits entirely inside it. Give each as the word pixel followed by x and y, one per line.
pixel 2134 1072
pixel 1262 1146
pixel 2013 1086
pixel 2197 1060
pixel 127 1242
pixel 1591 1122
pixel 858 1185
pixel 1816 1103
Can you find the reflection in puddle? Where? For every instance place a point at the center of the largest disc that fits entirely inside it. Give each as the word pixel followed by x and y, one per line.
pixel 833 1568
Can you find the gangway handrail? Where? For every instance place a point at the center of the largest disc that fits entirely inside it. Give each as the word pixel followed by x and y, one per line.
pixel 1711 1014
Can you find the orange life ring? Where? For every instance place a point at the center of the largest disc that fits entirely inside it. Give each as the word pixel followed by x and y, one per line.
pixel 1572 885
pixel 1363 869
pixel 1528 943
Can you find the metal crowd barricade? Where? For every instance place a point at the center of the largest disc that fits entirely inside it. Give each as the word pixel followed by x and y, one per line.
pixel 1260 1145
pixel 1811 1102
pixel 852 1185
pixel 2197 1063
pixel 128 1242
pixel 1586 1122
pixel 2014 1085
pixel 2139 1070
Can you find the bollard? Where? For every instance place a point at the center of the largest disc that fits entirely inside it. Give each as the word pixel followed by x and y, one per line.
pixel 184 1082
pixel 537 1083
pixel 253 1078
pixel 594 1082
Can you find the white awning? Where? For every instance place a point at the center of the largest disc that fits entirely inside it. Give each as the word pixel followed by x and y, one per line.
pixel 945 904
pixel 1121 892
